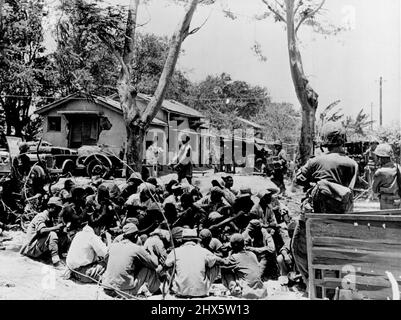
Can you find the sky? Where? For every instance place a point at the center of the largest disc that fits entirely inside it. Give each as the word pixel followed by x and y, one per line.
pixel 344 67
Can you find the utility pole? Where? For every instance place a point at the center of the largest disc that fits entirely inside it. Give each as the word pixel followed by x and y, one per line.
pixel 381 101
pixel 371 116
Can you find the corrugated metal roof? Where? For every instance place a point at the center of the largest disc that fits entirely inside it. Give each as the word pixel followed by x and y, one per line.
pixel 168 105
pixel 175 106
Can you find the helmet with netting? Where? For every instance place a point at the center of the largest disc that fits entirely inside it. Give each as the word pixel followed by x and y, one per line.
pixel 333 135
pixel 384 151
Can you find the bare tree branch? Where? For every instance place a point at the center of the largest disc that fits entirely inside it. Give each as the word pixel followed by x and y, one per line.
pixel 300 3
pixel 280 4
pixel 309 15
pixel 195 30
pixel 145 23
pixel 279 16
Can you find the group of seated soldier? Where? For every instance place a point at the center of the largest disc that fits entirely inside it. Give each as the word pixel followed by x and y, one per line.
pixel 147 238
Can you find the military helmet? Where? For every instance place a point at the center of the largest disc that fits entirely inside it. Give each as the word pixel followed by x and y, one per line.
pixel 23 147
pixel 278 143
pixel 333 134
pixel 383 150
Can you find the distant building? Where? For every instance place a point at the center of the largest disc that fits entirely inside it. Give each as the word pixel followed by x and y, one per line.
pixel 79 120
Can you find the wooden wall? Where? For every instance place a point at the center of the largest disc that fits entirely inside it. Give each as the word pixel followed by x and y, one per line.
pixel 354 252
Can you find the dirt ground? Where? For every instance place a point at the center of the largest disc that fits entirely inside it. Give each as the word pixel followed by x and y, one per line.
pixel 22 278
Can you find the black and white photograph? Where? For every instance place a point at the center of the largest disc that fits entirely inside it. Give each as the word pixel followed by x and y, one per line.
pixel 214 152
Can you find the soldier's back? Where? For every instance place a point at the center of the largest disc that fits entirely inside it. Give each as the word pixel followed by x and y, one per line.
pixel 333 167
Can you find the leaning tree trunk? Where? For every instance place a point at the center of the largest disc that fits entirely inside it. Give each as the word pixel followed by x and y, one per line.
pixel 137 121
pixel 307 97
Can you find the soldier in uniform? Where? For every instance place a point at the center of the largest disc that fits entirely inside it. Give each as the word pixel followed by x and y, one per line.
pixel 334 168
pixel 385 182
pixel 370 160
pixel 182 163
pixel 280 166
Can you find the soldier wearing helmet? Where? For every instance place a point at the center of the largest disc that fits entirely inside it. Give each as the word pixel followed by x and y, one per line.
pixel 333 168
pixel 385 182
pixel 43 233
pixel 370 160
pixel 280 165
pixel 22 163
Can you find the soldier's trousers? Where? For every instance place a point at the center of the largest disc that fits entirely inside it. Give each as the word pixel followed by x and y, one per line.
pixel 46 243
pixel 299 250
pixel 145 275
pixel 278 179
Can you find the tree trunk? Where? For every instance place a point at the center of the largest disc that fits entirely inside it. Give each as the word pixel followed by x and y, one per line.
pixel 137 121
pixel 127 93
pixel 175 47
pixel 135 138
pixel 307 97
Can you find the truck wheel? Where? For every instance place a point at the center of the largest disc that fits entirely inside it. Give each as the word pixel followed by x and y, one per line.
pixel 68 166
pixel 98 168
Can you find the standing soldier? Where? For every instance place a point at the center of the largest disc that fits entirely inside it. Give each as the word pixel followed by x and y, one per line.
pixel 385 182
pixel 334 175
pixel 21 163
pixel 370 160
pixel 183 160
pixel 280 166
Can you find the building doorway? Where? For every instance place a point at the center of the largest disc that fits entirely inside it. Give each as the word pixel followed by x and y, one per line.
pixel 84 130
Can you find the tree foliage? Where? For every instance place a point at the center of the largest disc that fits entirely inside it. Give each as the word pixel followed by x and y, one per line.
pixel 86 63
pixel 83 61
pixel 294 14
pixel 281 122
pixel 223 100
pixel 358 127
pixel 24 68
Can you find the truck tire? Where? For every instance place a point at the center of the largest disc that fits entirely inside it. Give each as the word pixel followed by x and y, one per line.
pixel 98 167
pixel 68 166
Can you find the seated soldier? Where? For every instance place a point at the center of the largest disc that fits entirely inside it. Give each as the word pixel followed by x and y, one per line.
pixel 243 204
pixel 195 267
pixel 100 208
pixel 196 194
pixel 115 196
pixel 192 215
pixel 229 182
pixel 142 206
pixel 215 202
pixel 36 180
pixel 129 267
pixel 65 193
pixel 168 188
pixel 159 189
pixel 263 210
pixel 260 242
pixel 212 244
pixel 174 198
pixel 42 232
pixel 86 253
pixel 244 269
pixel 22 164
pixel 133 183
pixel 157 243
pixel 228 194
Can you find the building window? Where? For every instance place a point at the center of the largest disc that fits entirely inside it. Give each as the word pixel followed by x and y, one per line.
pixel 54 124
